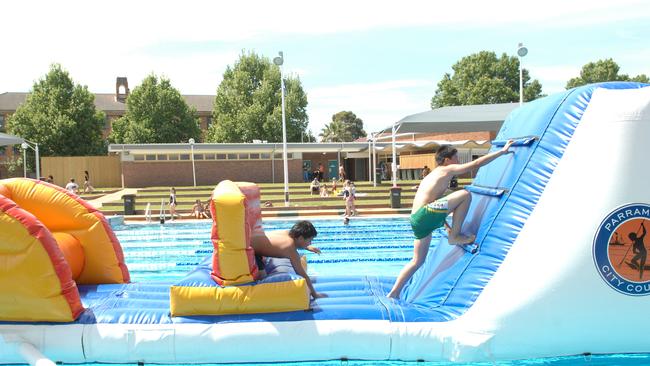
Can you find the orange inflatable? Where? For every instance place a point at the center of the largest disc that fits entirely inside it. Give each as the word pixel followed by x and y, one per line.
pixel 50 241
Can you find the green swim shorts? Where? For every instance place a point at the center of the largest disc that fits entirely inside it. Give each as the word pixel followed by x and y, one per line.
pixel 429 217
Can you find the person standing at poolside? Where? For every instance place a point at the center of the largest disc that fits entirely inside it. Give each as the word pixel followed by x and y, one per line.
pixel 430 208
pixel 88 188
pixel 172 203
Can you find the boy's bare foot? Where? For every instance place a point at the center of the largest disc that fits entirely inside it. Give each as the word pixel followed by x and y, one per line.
pixel 461 239
pixel 391 295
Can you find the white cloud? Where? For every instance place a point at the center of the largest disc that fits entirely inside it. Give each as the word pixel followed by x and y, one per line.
pixel 377 104
pixel 554 78
pixel 97 41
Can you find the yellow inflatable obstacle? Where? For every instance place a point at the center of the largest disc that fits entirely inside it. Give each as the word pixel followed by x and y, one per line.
pixel 229 282
pixel 50 241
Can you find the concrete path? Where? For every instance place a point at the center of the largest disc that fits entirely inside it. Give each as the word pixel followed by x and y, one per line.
pixel 99 202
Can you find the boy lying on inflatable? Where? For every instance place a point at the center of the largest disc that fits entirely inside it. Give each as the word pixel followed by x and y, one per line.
pixel 285 244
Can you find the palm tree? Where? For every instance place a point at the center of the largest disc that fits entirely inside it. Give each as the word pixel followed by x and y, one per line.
pixel 335 131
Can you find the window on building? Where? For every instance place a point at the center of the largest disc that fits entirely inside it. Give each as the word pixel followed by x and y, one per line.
pixel 243 156
pixel 138 157
pixel 208 121
pixel 173 156
pixel 107 122
pixel 2 122
pixel 255 156
pixel 232 156
pixel 277 156
pixel 150 157
pixel 198 156
pixel 221 156
pixel 209 156
pixel 265 156
pixel 184 156
pixel 162 157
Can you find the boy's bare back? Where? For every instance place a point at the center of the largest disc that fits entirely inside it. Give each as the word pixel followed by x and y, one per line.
pixel 276 244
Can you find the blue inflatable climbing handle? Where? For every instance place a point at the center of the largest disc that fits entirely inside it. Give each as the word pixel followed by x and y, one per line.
pixel 520 141
pixel 486 191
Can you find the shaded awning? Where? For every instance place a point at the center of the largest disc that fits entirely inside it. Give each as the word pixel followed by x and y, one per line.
pixel 465 118
pixel 6 140
pixel 432 145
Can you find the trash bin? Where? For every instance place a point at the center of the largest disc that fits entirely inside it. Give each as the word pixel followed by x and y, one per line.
pixel 378 176
pixel 129 204
pixel 396 197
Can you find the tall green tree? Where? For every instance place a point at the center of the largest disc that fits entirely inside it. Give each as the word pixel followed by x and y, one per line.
pixel 61 117
pixel 484 78
pixel 156 113
pixel 336 131
pixel 248 104
pixel 601 71
pixel 353 124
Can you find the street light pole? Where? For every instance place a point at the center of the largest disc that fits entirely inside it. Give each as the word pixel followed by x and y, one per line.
pixel 394 164
pixel 34 146
pixel 280 61
pixel 38 161
pixel 24 159
pixel 370 158
pixel 521 52
pixel 374 162
pixel 191 141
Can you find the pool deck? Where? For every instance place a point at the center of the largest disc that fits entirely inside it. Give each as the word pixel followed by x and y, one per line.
pixel 266 214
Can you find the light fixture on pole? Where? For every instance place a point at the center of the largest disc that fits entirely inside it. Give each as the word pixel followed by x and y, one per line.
pixel 34 146
pixel 393 165
pixel 521 52
pixel 370 158
pixel 279 60
pixel 191 141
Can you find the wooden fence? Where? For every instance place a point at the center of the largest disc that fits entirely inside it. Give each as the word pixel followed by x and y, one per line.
pixel 417 161
pixel 105 171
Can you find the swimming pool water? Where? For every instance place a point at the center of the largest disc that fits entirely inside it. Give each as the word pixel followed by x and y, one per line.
pixel 364 247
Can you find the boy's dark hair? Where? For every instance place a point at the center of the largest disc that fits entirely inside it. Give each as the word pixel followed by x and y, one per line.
pixel 444 152
pixel 303 228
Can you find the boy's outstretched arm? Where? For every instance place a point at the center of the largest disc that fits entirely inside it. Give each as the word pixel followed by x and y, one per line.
pixel 313 249
pixel 483 160
pixel 294 258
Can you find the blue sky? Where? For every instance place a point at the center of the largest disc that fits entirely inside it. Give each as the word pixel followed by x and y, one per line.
pixel 380 59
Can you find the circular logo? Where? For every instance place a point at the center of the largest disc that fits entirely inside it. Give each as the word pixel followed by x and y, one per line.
pixel 620 252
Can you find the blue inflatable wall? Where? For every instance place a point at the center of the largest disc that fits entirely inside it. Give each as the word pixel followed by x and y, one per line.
pixel 504 193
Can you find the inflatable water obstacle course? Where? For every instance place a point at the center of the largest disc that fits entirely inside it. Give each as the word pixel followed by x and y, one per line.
pixel 558 267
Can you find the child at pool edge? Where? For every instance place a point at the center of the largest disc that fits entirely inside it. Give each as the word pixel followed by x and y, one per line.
pixel 285 244
pixel 430 208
